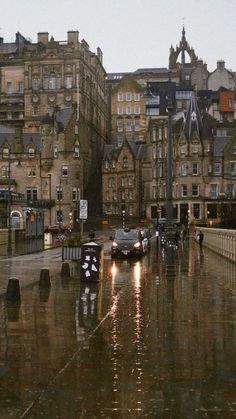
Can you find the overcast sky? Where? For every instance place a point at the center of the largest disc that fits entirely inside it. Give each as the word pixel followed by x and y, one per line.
pixel 131 33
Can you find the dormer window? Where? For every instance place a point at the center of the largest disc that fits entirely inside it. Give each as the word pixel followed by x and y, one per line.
pixel 125 163
pixel 194 148
pixel 113 164
pixel 106 164
pixel 183 149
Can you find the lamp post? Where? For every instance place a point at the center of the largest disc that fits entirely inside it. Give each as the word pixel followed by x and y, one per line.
pixel 59 204
pixel 169 201
pixel 9 241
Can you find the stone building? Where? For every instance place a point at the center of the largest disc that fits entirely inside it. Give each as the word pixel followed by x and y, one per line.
pixel 204 175
pixel 122 180
pixel 56 89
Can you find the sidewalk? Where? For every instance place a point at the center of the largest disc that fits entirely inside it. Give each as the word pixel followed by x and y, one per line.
pixel 27 267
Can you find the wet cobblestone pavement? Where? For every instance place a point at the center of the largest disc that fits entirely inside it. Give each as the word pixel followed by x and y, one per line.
pixel 154 338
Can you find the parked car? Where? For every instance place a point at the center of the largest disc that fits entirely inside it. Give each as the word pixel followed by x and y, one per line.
pixel 127 242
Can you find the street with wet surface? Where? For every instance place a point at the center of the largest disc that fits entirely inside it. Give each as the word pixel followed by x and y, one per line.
pixel 154 338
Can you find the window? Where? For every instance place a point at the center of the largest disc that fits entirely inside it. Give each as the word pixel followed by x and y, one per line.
pixel 52 82
pixel 64 170
pixel 184 190
pixel 35 111
pixel 5 153
pixel 213 191
pixel 5 171
pixel 154 192
pixel 136 97
pixel 119 97
pixel 76 151
pixel 154 152
pixel 119 109
pixel 183 94
pixel 154 172
pixel 75 194
pixel 111 182
pixel 196 211
pixel 183 169
pixel 230 191
pixel 31 171
pixel 9 88
pixel 152 111
pixel 131 195
pixel 195 168
pixel 59 216
pixel 35 83
pixel 114 196
pixel 128 97
pixel 128 126
pixel 120 125
pixel 119 140
pixel 154 135
pixel 59 194
pixel 234 149
pixel 207 148
pixel 113 164
pixel 233 169
pixel 31 152
pixel 9 115
pixel 20 87
pixel 136 109
pixel 125 163
pixel 128 110
pixel 55 151
pixel 136 124
pixel 217 168
pixel 194 148
pixel 130 180
pixel 31 194
pixel 68 82
pixel 183 149
pixel 195 190
pixel 123 181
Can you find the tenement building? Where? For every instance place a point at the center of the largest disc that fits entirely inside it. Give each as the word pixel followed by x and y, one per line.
pixel 54 92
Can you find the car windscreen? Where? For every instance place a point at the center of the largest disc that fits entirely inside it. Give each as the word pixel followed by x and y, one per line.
pixel 126 235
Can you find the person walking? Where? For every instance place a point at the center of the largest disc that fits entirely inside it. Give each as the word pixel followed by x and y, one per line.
pixel 200 238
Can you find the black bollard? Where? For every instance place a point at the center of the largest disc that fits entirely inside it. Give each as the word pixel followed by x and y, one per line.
pixel 65 270
pixel 13 290
pixel 44 280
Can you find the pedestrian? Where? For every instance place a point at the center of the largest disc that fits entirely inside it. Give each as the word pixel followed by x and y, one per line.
pixel 200 238
pixel 176 238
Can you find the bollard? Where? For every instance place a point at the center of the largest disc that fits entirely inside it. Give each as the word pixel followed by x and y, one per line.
pixel 13 290
pixel 44 280
pixel 65 269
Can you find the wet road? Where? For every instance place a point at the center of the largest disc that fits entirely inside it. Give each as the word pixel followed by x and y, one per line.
pixel 153 339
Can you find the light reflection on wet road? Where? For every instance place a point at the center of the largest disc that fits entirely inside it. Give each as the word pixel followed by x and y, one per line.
pixel 154 339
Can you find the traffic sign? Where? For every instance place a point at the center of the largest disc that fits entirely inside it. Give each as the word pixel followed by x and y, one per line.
pixel 83 209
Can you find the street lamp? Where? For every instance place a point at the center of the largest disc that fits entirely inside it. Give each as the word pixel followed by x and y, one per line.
pixel 9 241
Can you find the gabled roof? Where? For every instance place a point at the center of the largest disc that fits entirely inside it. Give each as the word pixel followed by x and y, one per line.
pixel 111 152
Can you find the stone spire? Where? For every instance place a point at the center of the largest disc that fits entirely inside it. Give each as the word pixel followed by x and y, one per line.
pixel 193 122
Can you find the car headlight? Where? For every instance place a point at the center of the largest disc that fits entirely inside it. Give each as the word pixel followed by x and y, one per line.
pixel 137 245
pixel 114 244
